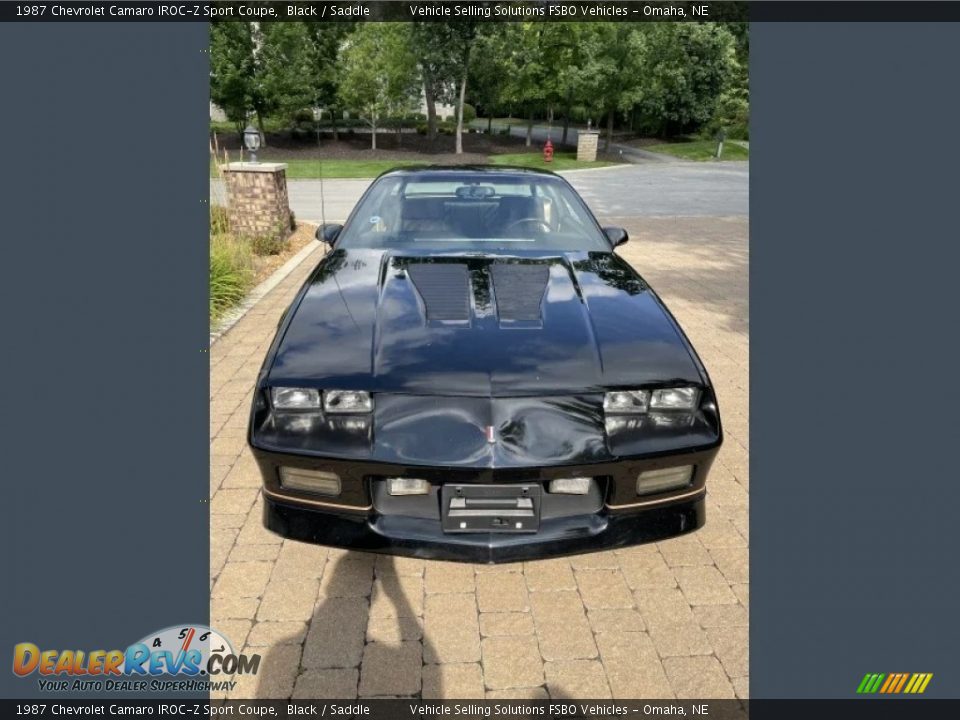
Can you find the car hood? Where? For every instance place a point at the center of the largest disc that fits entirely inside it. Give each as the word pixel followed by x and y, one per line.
pixel 478 325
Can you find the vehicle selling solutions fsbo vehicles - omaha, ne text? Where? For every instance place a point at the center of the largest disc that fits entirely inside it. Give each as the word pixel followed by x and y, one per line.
pixel 472 373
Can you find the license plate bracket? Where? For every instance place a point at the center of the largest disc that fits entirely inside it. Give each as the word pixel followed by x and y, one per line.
pixel 490 508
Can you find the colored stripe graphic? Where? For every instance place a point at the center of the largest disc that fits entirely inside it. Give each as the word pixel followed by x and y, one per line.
pixel 894 683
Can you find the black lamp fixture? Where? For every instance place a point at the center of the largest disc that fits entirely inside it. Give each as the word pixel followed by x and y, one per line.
pixel 251 140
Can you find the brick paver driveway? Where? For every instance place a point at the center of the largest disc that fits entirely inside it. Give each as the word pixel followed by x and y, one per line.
pixel 663 620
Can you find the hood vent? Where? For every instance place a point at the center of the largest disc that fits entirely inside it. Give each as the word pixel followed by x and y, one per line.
pixel 519 290
pixel 445 289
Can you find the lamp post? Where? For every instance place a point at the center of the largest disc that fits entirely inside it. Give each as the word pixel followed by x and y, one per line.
pixel 251 140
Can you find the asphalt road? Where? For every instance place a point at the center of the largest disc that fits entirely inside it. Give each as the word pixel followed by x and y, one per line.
pixel 676 189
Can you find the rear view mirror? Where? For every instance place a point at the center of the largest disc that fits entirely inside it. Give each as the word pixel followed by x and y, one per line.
pixel 328 233
pixel 616 235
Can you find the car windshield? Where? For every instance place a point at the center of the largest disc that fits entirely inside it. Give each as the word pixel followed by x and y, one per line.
pixel 473 211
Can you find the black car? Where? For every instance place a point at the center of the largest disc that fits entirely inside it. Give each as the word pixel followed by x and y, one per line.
pixel 472 373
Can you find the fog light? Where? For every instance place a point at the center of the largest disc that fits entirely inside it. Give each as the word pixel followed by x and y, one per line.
pixel 408 486
pixel 570 486
pixel 655 481
pixel 315 481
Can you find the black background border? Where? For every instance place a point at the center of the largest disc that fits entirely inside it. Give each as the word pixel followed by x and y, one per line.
pixel 853 257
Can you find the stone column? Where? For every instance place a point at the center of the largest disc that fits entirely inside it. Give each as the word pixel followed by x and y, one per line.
pixel 587 145
pixel 257 199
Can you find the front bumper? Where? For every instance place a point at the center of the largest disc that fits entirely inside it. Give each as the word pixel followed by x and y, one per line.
pixel 364 518
pixel 416 537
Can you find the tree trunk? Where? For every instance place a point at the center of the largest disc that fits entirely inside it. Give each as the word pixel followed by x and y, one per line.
pixel 489 122
pixel 463 91
pixel 333 121
pixel 373 135
pixel 530 128
pixel 431 101
pixel 566 118
pixel 606 145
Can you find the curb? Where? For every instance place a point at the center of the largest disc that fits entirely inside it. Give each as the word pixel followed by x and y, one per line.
pixel 258 293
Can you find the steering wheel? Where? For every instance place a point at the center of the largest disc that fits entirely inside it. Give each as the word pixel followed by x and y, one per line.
pixel 542 225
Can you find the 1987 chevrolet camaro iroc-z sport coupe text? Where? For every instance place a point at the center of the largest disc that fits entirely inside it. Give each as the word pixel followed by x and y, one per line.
pixel 472 373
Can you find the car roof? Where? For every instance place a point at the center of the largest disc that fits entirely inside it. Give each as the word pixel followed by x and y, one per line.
pixel 425 172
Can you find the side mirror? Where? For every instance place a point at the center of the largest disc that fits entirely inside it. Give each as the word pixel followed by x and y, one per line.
pixel 616 235
pixel 328 233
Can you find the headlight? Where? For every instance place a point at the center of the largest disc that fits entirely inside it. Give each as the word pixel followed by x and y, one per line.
pixel 685 398
pixel 347 401
pixel 295 398
pixel 626 401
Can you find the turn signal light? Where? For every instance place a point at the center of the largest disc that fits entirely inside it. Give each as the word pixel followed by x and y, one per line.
pixel 657 481
pixel 315 481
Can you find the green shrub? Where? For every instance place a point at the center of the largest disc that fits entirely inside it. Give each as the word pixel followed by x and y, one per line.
pixel 268 244
pixel 303 116
pixel 740 131
pixel 231 272
pixel 469 113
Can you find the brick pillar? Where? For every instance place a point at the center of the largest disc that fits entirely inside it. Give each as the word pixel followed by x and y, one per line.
pixel 257 199
pixel 587 145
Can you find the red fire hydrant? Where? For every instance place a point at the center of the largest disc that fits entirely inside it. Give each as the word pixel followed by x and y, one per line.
pixel 548 151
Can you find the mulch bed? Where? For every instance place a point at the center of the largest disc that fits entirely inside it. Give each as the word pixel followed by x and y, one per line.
pixel 265 265
pixel 409 146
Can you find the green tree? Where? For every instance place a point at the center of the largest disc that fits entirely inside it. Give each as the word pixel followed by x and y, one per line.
pixel 565 59
pixel 444 52
pixel 435 50
pixel 286 62
pixel 327 39
pixel 466 34
pixel 232 70
pixel 616 55
pixel 378 73
pixel 524 49
pixel 688 68
pixel 487 71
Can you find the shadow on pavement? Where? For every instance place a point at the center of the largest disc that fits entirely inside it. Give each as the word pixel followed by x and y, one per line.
pixel 365 638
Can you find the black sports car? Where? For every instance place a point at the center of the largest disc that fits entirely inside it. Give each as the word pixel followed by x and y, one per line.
pixel 472 373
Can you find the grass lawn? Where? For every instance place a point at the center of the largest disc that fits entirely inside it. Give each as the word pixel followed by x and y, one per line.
pixel 300 169
pixel 701 150
pixel 561 161
pixel 303 169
